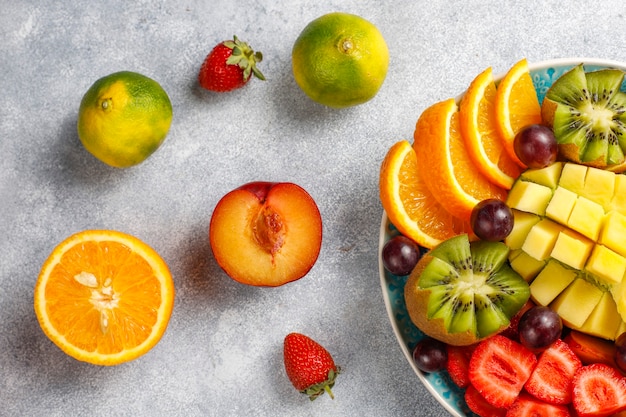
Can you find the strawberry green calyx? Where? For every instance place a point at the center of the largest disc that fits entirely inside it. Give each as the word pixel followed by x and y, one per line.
pixel 318 389
pixel 245 58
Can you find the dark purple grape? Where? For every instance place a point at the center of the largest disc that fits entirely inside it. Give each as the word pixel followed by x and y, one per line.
pixel 430 355
pixel 535 145
pixel 492 220
pixel 539 327
pixel 400 255
pixel 620 352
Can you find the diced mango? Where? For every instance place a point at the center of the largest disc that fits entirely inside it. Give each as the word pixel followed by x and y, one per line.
pixel 530 197
pixel 618 202
pixel 572 249
pixel 548 176
pixel 561 205
pixel 550 282
pixel 621 329
pixel 522 223
pixel 602 320
pixel 613 233
pixel 586 217
pixel 606 264
pixel 576 302
pixel 525 265
pixel 541 239
pixel 573 177
pixel 599 186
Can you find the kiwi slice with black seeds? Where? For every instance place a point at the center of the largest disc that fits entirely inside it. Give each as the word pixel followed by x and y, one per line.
pixel 587 112
pixel 462 292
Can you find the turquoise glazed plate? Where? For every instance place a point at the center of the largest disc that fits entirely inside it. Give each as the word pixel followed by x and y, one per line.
pixel 438 383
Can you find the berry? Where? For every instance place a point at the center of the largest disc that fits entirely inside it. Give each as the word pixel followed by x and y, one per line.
pixel 539 327
pixel 229 65
pixel 620 352
pixel 536 146
pixel 551 380
pixel 491 220
pixel 430 355
pixel 458 364
pixel 499 368
pixel 528 406
pixel 400 255
pixel 598 390
pixel 309 366
pixel 480 406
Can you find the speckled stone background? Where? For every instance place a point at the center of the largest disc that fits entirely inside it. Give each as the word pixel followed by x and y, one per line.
pixel 221 354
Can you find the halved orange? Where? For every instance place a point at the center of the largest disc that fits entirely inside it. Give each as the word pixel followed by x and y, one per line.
pixel 444 162
pixel 478 129
pixel 104 297
pixel 409 205
pixel 517 105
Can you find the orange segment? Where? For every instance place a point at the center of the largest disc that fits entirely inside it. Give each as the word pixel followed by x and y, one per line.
pixel 104 297
pixel 445 165
pixel 517 105
pixel 409 204
pixel 478 129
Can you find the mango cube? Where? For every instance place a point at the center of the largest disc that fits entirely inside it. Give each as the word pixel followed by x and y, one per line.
pixel 522 223
pixel 550 282
pixel 525 265
pixel 572 249
pixel 606 264
pixel 573 177
pixel 576 302
pixel 530 197
pixel 618 202
pixel 561 205
pixel 586 217
pixel 599 186
pixel 613 233
pixel 548 176
pixel 541 239
pixel 603 320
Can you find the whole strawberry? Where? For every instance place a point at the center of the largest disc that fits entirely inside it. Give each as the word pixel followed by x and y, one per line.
pixel 229 65
pixel 310 368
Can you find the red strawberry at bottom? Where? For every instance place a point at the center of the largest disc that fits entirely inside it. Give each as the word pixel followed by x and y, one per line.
pixel 499 368
pixel 528 406
pixel 598 390
pixel 309 366
pixel 229 65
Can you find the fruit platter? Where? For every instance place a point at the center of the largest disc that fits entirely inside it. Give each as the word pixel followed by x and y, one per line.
pixel 545 266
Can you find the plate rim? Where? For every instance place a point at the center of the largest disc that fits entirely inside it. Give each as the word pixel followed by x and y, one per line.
pixel 532 66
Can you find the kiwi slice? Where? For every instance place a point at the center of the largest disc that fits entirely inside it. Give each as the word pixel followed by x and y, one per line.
pixel 462 292
pixel 587 112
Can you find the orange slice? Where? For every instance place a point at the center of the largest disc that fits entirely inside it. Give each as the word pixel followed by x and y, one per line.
pixel 104 297
pixel 445 164
pixel 478 129
pixel 517 105
pixel 409 204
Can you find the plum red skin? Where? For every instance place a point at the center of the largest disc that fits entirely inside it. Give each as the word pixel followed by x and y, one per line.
pixel 258 188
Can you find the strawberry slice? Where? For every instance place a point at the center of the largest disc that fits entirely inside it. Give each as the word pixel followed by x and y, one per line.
pixel 551 380
pixel 499 368
pixel 480 406
pixel 598 390
pixel 458 364
pixel 528 406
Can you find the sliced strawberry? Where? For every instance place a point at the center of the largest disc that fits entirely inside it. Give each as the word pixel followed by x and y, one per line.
pixel 528 406
pixel 499 368
pixel 551 380
pixel 598 390
pixel 458 364
pixel 480 406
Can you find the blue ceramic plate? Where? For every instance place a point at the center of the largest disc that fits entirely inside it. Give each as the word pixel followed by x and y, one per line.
pixel 439 384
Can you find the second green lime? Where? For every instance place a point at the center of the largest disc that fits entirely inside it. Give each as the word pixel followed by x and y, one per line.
pixel 123 118
pixel 340 60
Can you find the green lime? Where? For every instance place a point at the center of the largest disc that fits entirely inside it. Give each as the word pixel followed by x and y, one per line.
pixel 340 60
pixel 123 118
